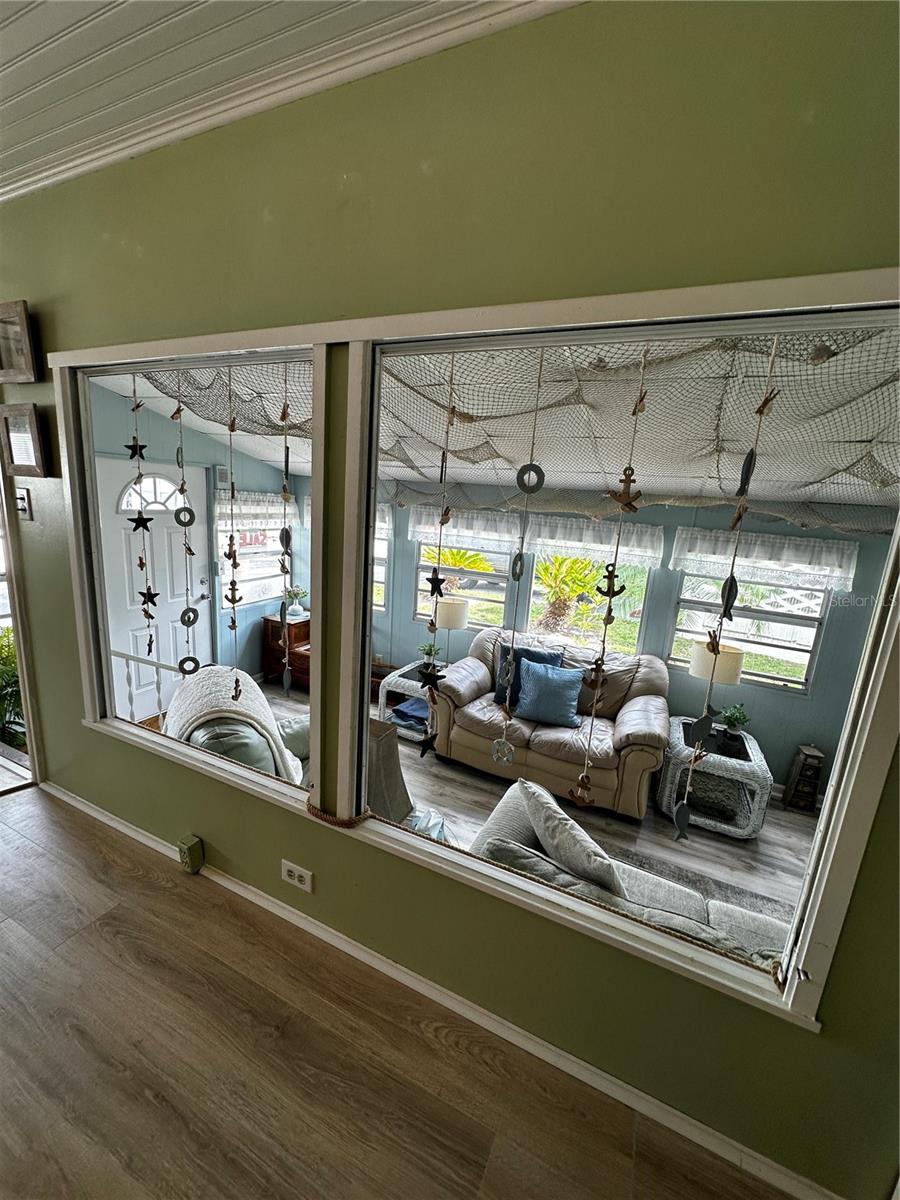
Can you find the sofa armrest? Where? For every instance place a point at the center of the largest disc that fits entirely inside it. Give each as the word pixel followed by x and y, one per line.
pixel 465 681
pixel 643 721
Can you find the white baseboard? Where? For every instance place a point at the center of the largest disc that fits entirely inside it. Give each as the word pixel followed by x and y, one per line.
pixel 670 1118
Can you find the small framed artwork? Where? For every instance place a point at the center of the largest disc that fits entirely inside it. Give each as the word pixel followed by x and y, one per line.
pixel 20 440
pixel 16 350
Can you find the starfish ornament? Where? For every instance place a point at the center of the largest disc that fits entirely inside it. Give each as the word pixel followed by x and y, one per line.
pixel 148 597
pixel 140 522
pixel 427 743
pixel 135 448
pixel 436 583
pixel 430 675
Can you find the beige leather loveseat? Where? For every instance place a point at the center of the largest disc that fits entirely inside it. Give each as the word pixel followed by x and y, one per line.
pixel 630 736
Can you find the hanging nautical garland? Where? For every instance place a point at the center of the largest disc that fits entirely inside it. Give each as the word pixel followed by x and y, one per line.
pixel 702 727
pixel 284 562
pixel 429 674
pixel 627 500
pixel 230 553
pixel 189 664
pixel 530 480
pixel 141 523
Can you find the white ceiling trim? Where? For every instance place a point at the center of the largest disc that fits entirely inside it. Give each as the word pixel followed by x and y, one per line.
pixel 442 27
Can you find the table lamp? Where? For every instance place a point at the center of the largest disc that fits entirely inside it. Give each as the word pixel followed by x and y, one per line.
pixel 451 613
pixel 731 661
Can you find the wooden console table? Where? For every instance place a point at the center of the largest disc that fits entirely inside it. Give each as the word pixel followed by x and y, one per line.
pixel 298 651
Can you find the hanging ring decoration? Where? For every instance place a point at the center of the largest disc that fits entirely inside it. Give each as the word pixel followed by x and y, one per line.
pixel 189 665
pixel 517 570
pixel 185 517
pixel 190 616
pixel 530 478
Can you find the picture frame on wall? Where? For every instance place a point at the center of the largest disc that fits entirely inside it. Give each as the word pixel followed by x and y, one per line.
pixel 20 441
pixel 17 362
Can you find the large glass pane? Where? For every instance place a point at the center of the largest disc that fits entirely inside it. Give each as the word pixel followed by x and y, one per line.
pixel 203 492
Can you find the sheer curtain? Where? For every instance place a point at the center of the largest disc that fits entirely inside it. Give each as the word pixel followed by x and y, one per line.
pixel 767 558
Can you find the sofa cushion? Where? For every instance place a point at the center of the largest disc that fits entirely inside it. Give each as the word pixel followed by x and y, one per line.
pixel 549 694
pixel 566 842
pixel 762 934
pixel 569 745
pixel 484 717
pixel 233 738
pixel 532 654
pixel 653 891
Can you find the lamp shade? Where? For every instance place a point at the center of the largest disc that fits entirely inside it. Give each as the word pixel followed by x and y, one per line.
pixel 731 661
pixel 452 613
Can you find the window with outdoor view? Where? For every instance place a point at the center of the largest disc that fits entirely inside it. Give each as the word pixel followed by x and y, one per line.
pixel 564 600
pixel 776 627
pixel 476 575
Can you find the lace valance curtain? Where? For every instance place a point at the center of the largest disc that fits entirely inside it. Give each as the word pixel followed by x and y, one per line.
pixel 255 510
pixel 767 558
pixel 546 534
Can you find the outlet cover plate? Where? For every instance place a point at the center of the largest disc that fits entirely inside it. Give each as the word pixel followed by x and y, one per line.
pixel 296 876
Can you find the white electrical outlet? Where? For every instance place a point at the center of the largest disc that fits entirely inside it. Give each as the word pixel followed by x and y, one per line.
pixel 298 876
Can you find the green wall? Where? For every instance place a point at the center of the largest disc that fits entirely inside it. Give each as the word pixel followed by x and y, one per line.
pixel 611 147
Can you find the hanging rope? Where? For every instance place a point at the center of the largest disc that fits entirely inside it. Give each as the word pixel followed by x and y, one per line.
pixel 285 536
pixel 701 728
pixel 530 479
pixel 428 672
pixel 231 555
pixel 189 614
pixel 627 500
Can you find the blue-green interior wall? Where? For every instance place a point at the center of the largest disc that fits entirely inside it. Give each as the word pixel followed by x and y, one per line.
pixel 111 422
pixel 781 719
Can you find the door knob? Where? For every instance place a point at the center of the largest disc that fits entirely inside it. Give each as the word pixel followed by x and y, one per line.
pixel 203 581
pixel 202 596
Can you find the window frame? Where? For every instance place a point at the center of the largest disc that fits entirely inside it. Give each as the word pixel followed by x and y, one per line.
pixel 463 573
pixel 384 562
pixel 752 678
pixel 870 735
pixel 71 386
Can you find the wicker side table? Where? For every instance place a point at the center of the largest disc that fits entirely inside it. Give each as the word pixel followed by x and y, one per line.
pixel 404 680
pixel 751 775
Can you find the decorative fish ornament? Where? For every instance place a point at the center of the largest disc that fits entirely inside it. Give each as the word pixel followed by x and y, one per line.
pixel 701 729
pixel 729 595
pixel 746 472
pixel 286 680
pixel 681 819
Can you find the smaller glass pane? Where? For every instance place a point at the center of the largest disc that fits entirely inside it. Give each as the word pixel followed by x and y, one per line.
pixel 767 596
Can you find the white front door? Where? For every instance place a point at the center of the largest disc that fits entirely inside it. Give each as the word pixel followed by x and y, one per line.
pixel 121 546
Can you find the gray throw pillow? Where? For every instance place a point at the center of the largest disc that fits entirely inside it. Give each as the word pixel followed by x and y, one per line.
pixel 566 842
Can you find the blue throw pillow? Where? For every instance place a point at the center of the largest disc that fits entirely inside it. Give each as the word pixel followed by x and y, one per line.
pixel 549 695
pixel 531 654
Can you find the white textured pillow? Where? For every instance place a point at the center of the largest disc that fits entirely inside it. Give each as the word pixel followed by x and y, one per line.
pixel 566 842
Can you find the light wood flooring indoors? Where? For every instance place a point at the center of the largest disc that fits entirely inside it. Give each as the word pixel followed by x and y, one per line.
pixel 162 1037
pixel 771 865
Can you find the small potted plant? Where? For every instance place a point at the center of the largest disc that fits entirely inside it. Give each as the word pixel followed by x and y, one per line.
pixel 428 650
pixel 734 718
pixel 296 595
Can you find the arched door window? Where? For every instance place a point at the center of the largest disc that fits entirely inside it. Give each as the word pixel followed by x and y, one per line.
pixel 155 493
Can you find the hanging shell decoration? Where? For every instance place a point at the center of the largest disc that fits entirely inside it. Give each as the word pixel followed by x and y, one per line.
pixel 502 751
pixel 581 793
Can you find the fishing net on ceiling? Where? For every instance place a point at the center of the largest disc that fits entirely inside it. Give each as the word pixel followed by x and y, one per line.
pixel 258 392
pixel 828 457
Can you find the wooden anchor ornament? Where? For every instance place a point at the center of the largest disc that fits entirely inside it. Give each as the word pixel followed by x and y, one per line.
pixel 231 596
pixel 236 694
pixel 231 552
pixel 581 793
pixel 625 497
pixel 608 588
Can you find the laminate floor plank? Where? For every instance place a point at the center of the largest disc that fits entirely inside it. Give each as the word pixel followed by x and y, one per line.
pixel 50 897
pixel 185 1044
pixel 668 1167
pixel 388 1025
pixel 284 1068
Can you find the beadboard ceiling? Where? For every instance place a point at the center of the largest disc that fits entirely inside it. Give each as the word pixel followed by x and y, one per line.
pixel 84 83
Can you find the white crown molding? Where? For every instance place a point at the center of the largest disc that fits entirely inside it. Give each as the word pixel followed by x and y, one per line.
pixel 302 75
pixel 648 1106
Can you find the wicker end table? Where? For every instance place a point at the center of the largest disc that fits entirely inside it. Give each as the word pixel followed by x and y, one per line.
pixel 404 680
pixel 749 776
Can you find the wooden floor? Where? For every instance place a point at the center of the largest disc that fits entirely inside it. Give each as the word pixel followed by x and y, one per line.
pixel 161 1037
